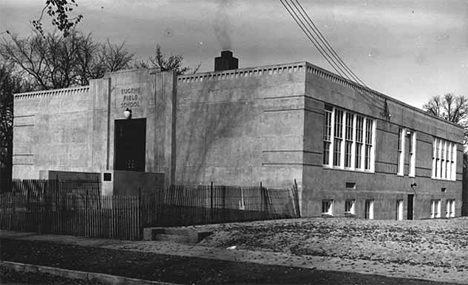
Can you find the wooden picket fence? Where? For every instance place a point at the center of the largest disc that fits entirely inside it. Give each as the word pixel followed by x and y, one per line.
pixel 90 216
pixel 77 208
pixel 70 207
pixel 208 204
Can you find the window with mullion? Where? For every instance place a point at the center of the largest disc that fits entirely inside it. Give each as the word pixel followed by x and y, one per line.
pixel 349 140
pixel 338 138
pixel 400 152
pixel 453 175
pixel 359 140
pixel 444 159
pixel 327 131
pixel 368 154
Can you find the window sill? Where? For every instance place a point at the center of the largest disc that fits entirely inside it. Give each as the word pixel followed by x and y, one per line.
pixel 348 169
pixel 443 179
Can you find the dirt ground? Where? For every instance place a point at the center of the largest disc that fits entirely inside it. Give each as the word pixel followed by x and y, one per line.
pixel 437 243
pixel 318 251
pixel 170 268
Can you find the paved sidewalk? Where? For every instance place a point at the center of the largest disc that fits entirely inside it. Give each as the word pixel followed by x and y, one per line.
pixel 261 257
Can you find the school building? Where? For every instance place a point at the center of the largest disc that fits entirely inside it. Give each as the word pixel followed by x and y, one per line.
pixel 352 151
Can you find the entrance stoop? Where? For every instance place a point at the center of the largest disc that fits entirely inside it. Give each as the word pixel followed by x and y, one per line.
pixel 179 235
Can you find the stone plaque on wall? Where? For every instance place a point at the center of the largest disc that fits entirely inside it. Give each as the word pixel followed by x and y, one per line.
pixel 129 97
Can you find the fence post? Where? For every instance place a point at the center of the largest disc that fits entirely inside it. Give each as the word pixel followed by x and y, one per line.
pixel 211 197
pixel 140 213
pixel 87 220
pixel 12 212
pixel 261 200
pixel 224 204
pixel 296 200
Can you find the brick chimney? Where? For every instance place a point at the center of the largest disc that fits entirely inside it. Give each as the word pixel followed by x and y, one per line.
pixel 226 61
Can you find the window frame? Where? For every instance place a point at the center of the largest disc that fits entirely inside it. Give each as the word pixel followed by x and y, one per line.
pixel 400 215
pixel 369 209
pixel 352 206
pixel 330 203
pixel 349 140
pixel 435 209
pixel 450 208
pixel 444 159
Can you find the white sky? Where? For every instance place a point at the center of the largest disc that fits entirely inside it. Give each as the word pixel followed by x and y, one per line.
pixel 407 49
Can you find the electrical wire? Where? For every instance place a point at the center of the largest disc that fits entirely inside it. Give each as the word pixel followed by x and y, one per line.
pixel 314 41
pixel 330 55
pixel 327 44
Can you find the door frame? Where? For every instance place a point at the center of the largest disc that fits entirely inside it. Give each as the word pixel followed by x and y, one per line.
pixel 120 122
pixel 410 207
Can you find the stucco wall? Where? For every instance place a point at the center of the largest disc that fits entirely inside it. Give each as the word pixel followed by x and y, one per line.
pixel 52 131
pixel 384 186
pixel 240 127
pixel 73 129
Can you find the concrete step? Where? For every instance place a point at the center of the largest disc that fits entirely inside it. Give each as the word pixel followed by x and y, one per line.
pixel 171 237
pixel 180 235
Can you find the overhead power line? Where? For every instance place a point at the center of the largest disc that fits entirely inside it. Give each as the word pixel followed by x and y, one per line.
pixel 300 22
pixel 327 44
pixel 302 19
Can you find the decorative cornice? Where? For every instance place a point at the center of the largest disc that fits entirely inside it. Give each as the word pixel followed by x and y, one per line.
pixel 53 92
pixel 243 72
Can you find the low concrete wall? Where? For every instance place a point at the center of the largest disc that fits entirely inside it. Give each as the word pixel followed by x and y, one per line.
pixel 128 183
pixel 69 175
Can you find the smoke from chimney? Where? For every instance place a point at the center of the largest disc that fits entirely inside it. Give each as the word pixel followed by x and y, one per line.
pixel 222 25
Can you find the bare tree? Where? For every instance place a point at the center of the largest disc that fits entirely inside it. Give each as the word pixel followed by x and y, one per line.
pixel 49 61
pixel 450 107
pixel 9 84
pixel 172 62
pixel 53 61
pixel 59 11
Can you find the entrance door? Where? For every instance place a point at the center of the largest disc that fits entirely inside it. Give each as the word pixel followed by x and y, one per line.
pixel 409 215
pixel 130 144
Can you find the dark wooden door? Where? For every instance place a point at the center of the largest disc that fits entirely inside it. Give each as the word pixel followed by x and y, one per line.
pixel 409 215
pixel 130 144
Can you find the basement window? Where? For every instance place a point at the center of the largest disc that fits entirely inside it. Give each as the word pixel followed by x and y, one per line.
pixel 327 207
pixel 435 209
pixel 369 209
pixel 349 206
pixel 450 209
pixel 350 185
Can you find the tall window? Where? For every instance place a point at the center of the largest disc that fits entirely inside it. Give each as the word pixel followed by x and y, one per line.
pixel 350 138
pixel 411 152
pixel 338 137
pixel 444 159
pixel 359 140
pixel 401 157
pixel 406 152
pixel 367 160
pixel 327 135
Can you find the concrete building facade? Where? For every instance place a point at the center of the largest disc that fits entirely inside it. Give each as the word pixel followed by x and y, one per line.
pixel 351 150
